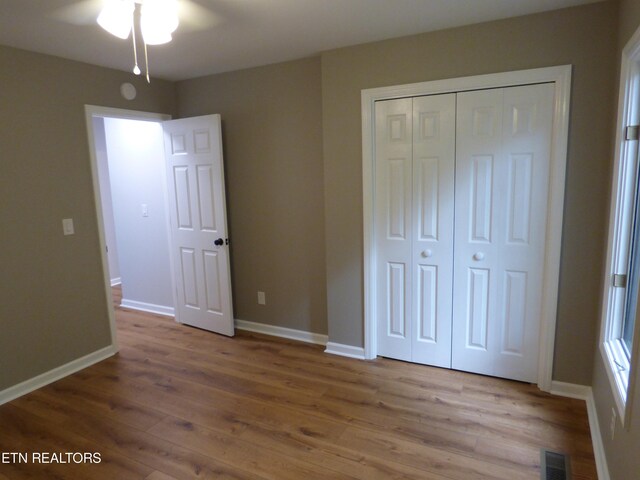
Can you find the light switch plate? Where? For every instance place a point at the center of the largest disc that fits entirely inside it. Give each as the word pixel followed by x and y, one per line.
pixel 262 298
pixel 67 226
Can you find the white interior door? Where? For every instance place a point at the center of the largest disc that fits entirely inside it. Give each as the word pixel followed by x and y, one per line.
pixel 195 176
pixel 433 198
pixel 394 226
pixel 502 175
pixel 415 148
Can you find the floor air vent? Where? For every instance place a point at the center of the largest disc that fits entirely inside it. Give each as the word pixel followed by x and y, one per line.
pixel 554 466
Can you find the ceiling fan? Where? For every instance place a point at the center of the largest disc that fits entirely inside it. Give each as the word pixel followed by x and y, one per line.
pixel 193 15
pixel 152 21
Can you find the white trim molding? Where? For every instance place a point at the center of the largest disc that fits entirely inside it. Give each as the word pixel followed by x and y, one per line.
pixel 91 111
pixel 148 307
pixel 560 76
pixel 116 281
pixel 282 332
pixel 302 336
pixel 570 390
pixel 583 392
pixel 345 350
pixel 621 367
pixel 57 373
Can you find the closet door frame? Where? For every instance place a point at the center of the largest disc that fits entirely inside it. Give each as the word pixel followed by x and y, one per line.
pixel 560 76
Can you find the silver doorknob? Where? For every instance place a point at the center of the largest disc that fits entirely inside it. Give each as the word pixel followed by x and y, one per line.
pixel 426 253
pixel 478 256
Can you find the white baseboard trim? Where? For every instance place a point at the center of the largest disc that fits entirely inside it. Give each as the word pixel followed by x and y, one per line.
pixel 148 307
pixel 571 390
pixel 57 373
pixel 596 438
pixel 116 281
pixel 345 350
pixel 282 332
pixel 583 392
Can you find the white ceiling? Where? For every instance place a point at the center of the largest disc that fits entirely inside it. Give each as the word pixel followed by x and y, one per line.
pixel 244 33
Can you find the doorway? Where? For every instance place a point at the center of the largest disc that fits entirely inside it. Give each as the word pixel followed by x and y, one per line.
pixel 559 77
pixel 186 183
pixel 111 261
pixel 130 158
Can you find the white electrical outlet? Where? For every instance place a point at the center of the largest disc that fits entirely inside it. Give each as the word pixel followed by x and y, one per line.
pixel 67 226
pixel 612 425
pixel 262 300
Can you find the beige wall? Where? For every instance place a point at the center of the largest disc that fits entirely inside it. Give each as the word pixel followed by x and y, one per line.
pixel 584 37
pixel 272 133
pixel 52 300
pixel 622 452
pixel 628 21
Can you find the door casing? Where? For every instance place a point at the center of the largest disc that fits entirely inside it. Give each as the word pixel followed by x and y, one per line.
pixel 97 111
pixel 560 76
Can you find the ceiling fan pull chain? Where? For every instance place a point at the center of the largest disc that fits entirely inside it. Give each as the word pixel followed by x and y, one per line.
pixel 136 69
pixel 146 60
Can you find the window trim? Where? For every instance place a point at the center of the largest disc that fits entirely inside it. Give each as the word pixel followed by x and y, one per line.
pixel 620 369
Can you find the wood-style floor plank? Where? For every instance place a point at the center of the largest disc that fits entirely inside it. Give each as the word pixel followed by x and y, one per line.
pixel 180 403
pixel 159 476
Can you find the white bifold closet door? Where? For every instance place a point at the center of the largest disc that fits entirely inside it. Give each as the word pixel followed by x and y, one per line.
pixel 415 148
pixel 503 140
pixel 460 215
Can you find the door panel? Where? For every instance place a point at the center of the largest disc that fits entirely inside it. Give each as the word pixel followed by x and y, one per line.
pixel 480 198
pixel 415 145
pixel 189 280
pixel 195 181
pixel 514 314
pixel 478 308
pixel 502 173
pixel 427 289
pixel 181 196
pixel 432 216
pixel 393 226
pixel 212 279
pixel 396 324
pixel 428 205
pixel 206 198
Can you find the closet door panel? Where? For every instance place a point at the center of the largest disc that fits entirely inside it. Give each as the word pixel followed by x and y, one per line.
pixel 528 118
pixel 477 198
pixel 502 174
pixel 393 226
pixel 432 218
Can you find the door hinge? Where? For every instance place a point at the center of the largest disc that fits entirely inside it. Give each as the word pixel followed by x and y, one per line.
pixel 631 132
pixel 620 280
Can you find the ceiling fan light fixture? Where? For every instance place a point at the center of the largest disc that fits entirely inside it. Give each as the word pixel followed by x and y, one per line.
pixel 158 20
pixel 117 17
pixel 152 37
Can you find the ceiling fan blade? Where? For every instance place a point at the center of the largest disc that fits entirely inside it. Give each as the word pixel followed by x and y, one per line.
pixel 84 12
pixel 194 17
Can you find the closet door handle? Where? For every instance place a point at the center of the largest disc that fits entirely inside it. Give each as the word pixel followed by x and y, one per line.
pixel 426 253
pixel 478 256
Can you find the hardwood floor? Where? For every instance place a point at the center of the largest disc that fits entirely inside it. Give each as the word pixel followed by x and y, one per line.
pixel 181 403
